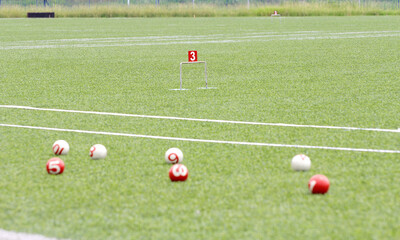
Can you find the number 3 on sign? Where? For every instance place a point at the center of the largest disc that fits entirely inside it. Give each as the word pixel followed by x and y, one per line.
pixel 192 56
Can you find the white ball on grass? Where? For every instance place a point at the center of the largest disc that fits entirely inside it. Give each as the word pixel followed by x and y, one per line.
pixel 301 162
pixel 173 155
pixel 98 151
pixel 60 147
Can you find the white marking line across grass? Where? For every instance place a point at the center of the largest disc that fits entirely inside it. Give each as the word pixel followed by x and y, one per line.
pixel 200 39
pixel 9 235
pixel 202 140
pixel 201 120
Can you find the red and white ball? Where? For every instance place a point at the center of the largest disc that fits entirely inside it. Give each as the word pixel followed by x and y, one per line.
pixel 55 166
pixel 301 162
pixel 173 155
pixel 98 151
pixel 60 147
pixel 318 184
pixel 178 172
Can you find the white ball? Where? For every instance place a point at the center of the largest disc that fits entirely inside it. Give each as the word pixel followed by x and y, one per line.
pixel 173 155
pixel 98 151
pixel 301 162
pixel 60 147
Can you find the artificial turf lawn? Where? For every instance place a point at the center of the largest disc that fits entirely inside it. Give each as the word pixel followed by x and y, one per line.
pixel 264 71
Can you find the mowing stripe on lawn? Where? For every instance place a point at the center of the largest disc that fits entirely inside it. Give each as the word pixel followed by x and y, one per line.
pixel 202 140
pixel 200 120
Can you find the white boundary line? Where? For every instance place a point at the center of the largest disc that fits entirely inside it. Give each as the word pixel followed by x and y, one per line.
pixel 169 40
pixel 200 120
pixel 10 235
pixel 202 140
pixel 198 37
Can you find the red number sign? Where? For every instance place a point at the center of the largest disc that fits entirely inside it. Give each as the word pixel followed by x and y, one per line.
pixel 192 56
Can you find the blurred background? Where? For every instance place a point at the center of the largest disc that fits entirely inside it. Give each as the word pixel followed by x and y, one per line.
pixel 385 4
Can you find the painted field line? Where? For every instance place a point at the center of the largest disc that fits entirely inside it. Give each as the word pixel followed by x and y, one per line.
pixel 202 140
pixel 238 39
pixel 197 37
pixel 10 235
pixel 201 120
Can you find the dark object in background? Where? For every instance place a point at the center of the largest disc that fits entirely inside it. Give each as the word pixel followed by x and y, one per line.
pixel 40 14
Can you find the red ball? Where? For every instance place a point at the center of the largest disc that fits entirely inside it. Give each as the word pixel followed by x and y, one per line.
pixel 318 184
pixel 55 166
pixel 178 172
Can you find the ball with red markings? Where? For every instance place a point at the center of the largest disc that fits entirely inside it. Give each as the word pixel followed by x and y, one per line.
pixel 55 166
pixel 301 162
pixel 318 184
pixel 60 147
pixel 173 155
pixel 98 151
pixel 178 172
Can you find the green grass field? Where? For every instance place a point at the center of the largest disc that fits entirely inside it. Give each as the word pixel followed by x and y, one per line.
pixel 322 71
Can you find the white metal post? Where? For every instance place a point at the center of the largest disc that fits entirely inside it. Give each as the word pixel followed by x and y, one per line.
pixel 205 75
pixel 180 76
